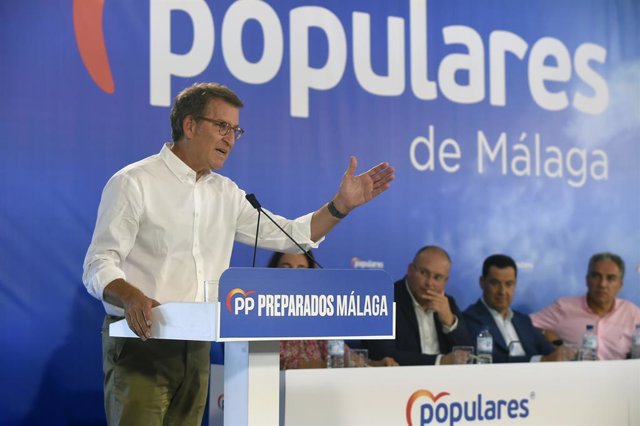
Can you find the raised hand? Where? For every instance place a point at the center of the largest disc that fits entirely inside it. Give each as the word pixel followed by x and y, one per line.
pixel 357 190
pixel 439 303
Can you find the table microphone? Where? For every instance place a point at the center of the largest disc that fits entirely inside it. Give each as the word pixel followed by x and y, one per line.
pixel 251 198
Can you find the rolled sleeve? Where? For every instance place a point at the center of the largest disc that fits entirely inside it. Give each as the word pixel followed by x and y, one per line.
pixel 114 235
pixel 270 237
pixel 301 232
pixel 99 274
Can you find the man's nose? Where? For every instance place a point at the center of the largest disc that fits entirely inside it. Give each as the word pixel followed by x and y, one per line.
pixel 432 283
pixel 229 140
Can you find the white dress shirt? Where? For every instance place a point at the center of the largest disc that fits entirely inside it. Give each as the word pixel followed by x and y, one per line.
pixel 165 233
pixel 427 327
pixel 509 333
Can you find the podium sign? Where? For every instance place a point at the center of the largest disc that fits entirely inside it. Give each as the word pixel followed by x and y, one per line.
pixel 280 304
pixel 259 306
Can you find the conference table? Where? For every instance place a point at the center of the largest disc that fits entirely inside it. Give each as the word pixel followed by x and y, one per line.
pixel 560 393
pixel 257 393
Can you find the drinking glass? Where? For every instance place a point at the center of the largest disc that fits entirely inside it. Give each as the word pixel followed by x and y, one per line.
pixel 462 354
pixel 211 291
pixel 357 357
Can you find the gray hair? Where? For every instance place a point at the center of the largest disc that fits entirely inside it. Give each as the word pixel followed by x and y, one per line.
pixel 607 256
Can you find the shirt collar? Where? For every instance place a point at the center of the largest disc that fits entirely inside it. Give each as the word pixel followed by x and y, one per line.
pixel 177 166
pixel 497 314
pixel 416 305
pixel 586 307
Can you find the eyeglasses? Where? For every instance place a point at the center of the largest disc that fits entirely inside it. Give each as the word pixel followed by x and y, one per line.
pixel 225 128
pixel 428 274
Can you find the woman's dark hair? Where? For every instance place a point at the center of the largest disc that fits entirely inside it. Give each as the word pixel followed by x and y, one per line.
pixel 276 256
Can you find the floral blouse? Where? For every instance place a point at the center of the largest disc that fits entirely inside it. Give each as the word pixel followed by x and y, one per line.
pixel 294 353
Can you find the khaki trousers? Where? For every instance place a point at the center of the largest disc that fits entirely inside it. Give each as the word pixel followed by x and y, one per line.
pixel 155 382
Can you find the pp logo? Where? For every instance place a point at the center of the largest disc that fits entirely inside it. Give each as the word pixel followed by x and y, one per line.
pixel 453 411
pixel 420 394
pixel 241 301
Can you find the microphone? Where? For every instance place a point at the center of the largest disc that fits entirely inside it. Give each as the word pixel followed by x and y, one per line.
pixel 254 201
pixel 256 205
pixel 251 198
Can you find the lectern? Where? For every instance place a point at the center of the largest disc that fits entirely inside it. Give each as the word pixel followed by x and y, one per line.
pixel 258 307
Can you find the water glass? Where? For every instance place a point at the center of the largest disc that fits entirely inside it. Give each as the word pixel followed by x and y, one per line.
pixel 568 352
pixel 211 291
pixel 357 357
pixel 335 360
pixel 462 354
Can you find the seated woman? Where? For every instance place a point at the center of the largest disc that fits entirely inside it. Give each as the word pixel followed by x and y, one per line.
pixel 307 353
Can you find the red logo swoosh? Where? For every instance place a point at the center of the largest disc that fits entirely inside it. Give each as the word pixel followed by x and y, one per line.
pixel 417 394
pixel 234 292
pixel 87 25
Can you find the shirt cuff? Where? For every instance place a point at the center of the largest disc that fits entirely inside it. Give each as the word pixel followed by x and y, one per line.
pixel 453 326
pixel 102 279
pixel 305 236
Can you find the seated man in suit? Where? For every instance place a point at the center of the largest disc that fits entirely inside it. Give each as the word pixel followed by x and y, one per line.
pixel 428 322
pixel 514 337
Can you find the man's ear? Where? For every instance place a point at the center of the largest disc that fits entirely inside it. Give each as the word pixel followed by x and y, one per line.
pixel 188 126
pixel 586 280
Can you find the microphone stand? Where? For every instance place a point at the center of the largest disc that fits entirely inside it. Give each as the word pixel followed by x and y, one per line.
pixel 255 245
pixel 251 198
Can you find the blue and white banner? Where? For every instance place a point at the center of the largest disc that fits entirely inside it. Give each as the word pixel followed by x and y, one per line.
pixel 272 303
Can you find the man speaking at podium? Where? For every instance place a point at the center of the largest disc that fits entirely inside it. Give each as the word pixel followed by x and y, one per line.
pixel 167 223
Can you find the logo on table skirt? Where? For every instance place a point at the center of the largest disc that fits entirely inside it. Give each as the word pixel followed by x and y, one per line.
pixel 241 301
pixel 221 402
pixel 437 409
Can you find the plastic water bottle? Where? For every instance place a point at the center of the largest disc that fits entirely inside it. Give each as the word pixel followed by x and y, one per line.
pixel 335 358
pixel 589 349
pixel 635 343
pixel 484 344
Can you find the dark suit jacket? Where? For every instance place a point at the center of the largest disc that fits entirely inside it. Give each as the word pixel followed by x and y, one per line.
pixel 532 340
pixel 406 348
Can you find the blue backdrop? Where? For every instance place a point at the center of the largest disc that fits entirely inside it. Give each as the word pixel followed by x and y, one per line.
pixel 513 127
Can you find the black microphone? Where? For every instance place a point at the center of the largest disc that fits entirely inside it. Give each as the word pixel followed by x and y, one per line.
pixel 251 198
pixel 256 205
pixel 254 201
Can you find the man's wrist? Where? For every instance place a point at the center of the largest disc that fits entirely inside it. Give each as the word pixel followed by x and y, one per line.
pixel 333 210
pixel 449 328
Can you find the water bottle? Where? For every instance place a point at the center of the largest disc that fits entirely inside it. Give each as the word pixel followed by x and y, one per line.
pixel 484 344
pixel 635 343
pixel 335 359
pixel 589 349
